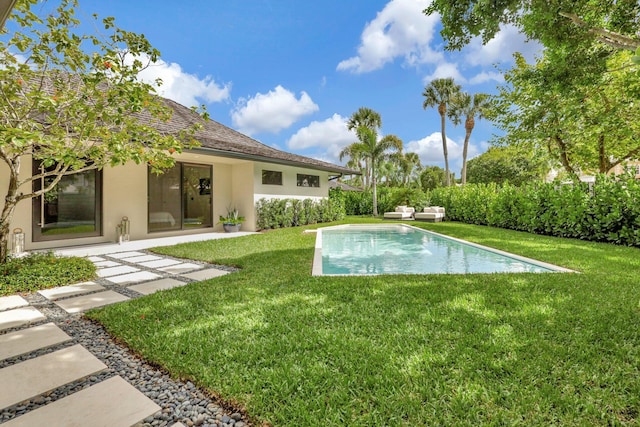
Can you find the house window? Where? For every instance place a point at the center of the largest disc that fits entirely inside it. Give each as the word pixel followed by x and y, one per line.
pixel 271 177
pixel 180 198
pixel 72 209
pixel 308 180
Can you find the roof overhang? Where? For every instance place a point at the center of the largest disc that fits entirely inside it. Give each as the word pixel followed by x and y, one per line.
pixel 256 158
pixel 6 6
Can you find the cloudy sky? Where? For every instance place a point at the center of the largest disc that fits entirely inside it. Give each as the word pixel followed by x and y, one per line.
pixel 289 73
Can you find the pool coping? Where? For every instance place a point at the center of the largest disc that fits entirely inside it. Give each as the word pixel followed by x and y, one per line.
pixel 316 269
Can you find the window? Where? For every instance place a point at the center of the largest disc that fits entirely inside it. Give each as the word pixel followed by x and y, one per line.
pixel 308 180
pixel 271 177
pixel 180 198
pixel 72 209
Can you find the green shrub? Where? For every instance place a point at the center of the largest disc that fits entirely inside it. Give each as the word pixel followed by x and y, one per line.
pixel 41 271
pixel 282 213
pixel 607 211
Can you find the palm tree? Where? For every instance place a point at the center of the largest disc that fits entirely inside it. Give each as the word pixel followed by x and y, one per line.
pixel 368 118
pixel 439 93
pixel 374 151
pixel 465 105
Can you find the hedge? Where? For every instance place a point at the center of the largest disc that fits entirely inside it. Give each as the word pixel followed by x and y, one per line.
pixel 605 211
pixel 281 213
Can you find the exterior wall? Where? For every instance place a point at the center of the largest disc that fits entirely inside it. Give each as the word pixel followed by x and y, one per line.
pixel 235 184
pixel 633 165
pixel 289 188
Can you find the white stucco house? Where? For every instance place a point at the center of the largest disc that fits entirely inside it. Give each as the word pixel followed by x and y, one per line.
pixel 227 170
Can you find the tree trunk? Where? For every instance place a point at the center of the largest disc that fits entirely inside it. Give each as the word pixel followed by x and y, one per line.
pixel 564 157
pixel 468 126
pixel 375 191
pixel 8 209
pixel 604 162
pixel 442 110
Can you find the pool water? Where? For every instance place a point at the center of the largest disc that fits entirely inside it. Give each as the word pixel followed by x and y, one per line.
pixel 402 249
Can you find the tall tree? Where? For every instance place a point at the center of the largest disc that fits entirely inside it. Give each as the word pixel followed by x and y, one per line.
pixel 440 93
pixel 72 102
pixel 374 151
pixel 370 119
pixel 513 164
pixel 613 23
pixel 469 107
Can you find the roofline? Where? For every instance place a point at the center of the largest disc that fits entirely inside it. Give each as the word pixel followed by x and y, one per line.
pixel 6 6
pixel 244 156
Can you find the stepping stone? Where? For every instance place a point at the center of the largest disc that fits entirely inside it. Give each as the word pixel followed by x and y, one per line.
pixel 121 255
pixel 140 276
pixel 160 263
pixel 113 402
pixel 27 340
pixel 143 258
pixel 180 268
pixel 209 273
pixel 18 317
pixel 13 301
pixel 36 376
pixel 178 425
pixel 115 271
pixel 70 290
pixel 156 285
pixel 95 258
pixel 85 302
pixel 103 264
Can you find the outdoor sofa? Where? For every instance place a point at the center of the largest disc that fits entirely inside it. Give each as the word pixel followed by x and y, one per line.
pixel 401 212
pixel 430 214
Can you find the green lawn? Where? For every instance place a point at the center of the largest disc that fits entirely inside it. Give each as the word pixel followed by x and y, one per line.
pixel 501 349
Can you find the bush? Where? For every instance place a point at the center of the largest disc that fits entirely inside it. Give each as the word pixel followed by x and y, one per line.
pixel 607 211
pixel 41 271
pixel 281 213
pixel 361 202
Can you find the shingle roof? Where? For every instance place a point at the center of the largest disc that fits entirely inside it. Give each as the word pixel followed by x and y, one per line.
pixel 224 141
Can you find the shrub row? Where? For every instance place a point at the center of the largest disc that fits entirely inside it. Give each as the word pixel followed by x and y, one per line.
pixel 361 202
pixel 280 213
pixel 605 211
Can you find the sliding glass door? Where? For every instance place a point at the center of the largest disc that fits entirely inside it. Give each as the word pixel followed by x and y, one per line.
pixel 180 198
pixel 72 209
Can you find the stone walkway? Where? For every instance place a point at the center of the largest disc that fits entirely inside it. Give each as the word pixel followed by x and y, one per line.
pixel 53 367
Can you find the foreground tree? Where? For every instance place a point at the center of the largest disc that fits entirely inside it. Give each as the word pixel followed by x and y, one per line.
pixel 440 93
pixel 469 107
pixel 73 102
pixel 613 23
pixel 508 164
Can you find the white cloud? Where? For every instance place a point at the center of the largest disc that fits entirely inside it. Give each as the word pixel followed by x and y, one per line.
pixel 429 149
pixel 271 112
pixel 501 48
pixel 331 135
pixel 399 30
pixel 444 70
pixel 184 88
pixel 486 76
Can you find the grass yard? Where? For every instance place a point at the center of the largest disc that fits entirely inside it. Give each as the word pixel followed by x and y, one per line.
pixel 500 349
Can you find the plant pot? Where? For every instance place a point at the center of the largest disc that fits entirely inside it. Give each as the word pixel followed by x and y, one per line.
pixel 230 228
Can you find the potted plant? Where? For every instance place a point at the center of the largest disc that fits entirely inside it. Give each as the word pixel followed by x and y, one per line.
pixel 231 222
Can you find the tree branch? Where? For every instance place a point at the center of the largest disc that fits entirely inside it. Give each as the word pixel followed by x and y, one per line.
pixel 611 38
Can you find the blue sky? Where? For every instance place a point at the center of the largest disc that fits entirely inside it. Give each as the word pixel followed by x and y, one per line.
pixel 289 73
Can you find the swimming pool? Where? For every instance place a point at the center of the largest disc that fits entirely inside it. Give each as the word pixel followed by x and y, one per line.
pixel 404 249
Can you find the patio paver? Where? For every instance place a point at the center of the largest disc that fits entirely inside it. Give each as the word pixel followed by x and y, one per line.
pixel 206 274
pixel 70 290
pixel 120 255
pixel 165 262
pixel 13 301
pixel 115 271
pixel 86 302
pixel 124 407
pixel 105 264
pixel 27 340
pixel 140 276
pixel 156 285
pixel 33 377
pixel 180 268
pixel 19 317
pixel 141 258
